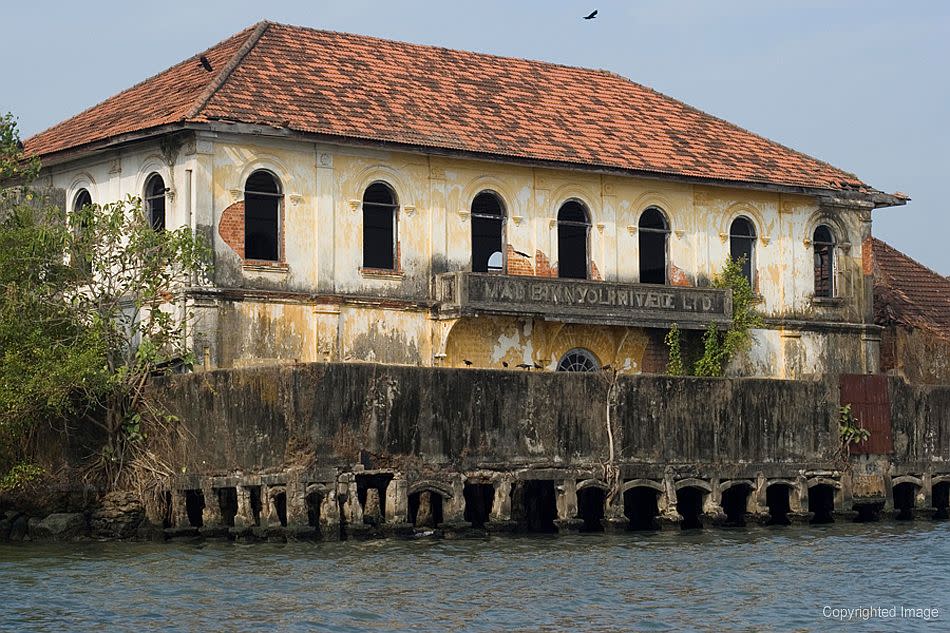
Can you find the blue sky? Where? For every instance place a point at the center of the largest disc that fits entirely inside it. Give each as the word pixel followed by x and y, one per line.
pixel 861 84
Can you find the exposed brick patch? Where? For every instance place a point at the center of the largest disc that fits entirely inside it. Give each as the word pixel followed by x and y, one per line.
pixel 867 255
pixel 656 355
pixel 518 264
pixel 231 227
pixel 595 272
pixel 543 266
pixel 678 276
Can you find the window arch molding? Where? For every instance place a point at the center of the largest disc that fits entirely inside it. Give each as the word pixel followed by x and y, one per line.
pixel 578 359
pixel 494 185
pixel 751 213
pixel 268 163
pixel 152 165
pixel 649 200
pixel 85 181
pixel 387 175
pixel 577 193
pixel 838 229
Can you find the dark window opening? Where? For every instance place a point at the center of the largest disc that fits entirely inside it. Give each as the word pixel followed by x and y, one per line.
pixel 371 491
pixel 80 258
pixel 167 509
pixel 905 496
pixel 194 507
pixel 778 502
pixel 535 506
pixel 379 227
pixel 573 229
pixel 590 508
pixel 228 505
pixel 641 507
pixel 654 231
pixel 824 244
pixel 578 359
pixel 155 201
pixel 742 246
pixel 280 507
pixel 821 503
pixel 262 217
pixel 257 503
pixel 479 499
pixel 940 495
pixel 488 224
pixel 314 501
pixel 425 509
pixel 689 503
pixel 868 512
pixel 735 501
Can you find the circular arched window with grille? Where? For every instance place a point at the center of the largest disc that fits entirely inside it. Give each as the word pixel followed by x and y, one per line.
pixel 578 359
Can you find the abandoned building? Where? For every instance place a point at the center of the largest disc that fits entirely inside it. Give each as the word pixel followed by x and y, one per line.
pixel 370 200
pixel 912 304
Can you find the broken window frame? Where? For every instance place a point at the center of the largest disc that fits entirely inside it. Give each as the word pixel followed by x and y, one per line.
pixel 649 232
pixel 565 224
pixel 823 248
pixel 277 196
pixel 578 359
pixel 736 242
pixel 479 217
pixel 155 201
pixel 381 208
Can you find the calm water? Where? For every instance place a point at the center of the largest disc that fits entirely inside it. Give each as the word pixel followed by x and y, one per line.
pixel 758 579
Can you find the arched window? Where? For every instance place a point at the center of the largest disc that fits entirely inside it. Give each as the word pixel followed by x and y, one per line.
pixel 379 227
pixel 82 200
pixel 578 359
pixel 654 230
pixel 573 228
pixel 488 233
pixel 262 217
pixel 823 242
pixel 155 201
pixel 742 246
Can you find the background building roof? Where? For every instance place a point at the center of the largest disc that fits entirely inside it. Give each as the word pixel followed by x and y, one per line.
pixel 346 86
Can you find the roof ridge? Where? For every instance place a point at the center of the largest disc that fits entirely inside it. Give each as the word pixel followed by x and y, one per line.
pixel 132 87
pixel 225 73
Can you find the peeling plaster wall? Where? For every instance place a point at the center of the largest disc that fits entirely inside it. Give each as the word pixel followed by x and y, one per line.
pixel 387 316
pixel 916 355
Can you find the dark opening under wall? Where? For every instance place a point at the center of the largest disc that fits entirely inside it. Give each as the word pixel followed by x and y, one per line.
pixel 735 501
pixel 590 508
pixel 425 509
pixel 166 501
pixel 777 498
pixel 228 505
pixel 941 499
pixel 641 507
pixel 689 503
pixel 279 500
pixel 821 503
pixel 374 506
pixel 535 502
pixel 314 499
pixel 868 512
pixel 904 498
pixel 194 507
pixel 257 503
pixel 479 499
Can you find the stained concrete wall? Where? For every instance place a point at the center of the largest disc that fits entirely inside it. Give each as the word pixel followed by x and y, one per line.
pixel 258 419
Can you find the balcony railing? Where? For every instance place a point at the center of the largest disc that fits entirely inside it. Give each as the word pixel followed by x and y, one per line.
pixel 581 301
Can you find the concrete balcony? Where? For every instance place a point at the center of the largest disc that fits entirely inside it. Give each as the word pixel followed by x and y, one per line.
pixel 463 294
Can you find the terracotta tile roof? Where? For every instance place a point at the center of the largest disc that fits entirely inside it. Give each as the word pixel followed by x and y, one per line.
pixel 358 87
pixel 908 293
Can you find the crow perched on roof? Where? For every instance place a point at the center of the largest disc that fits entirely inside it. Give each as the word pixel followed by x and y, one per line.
pixel 467 362
pixel 206 64
pixel 593 14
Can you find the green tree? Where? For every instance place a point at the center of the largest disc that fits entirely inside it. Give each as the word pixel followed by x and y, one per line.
pixel 92 307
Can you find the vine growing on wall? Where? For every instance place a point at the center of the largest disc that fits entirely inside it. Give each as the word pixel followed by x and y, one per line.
pixel 720 348
pixel 850 432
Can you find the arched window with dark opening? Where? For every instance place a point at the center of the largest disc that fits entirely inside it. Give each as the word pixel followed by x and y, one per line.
pixel 262 199
pixel 573 229
pixel 578 359
pixel 742 246
pixel 823 242
pixel 155 201
pixel 654 230
pixel 488 233
pixel 82 200
pixel 379 227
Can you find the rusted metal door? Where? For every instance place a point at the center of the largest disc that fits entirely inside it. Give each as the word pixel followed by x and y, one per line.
pixel 871 404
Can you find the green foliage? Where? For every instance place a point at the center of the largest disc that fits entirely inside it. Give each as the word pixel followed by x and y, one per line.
pixel 90 307
pixel 673 340
pixel 719 348
pixel 849 427
pixel 20 476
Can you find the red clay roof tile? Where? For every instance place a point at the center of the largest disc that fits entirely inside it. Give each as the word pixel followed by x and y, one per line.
pixel 353 86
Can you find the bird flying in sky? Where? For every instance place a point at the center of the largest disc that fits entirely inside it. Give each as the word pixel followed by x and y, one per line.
pixel 593 14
